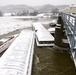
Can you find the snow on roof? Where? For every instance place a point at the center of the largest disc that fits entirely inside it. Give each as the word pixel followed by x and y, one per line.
pixel 44 36
pixel 42 33
pixel 4 39
pixel 37 26
pixel 51 29
pixel 15 59
pixel 7 14
pixel 39 15
pixel 54 21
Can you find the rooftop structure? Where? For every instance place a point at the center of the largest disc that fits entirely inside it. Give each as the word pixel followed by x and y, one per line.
pixel 17 60
pixel 43 36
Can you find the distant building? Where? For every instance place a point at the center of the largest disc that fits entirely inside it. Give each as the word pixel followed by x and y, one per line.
pixel 7 14
pixel 71 9
pixel 46 15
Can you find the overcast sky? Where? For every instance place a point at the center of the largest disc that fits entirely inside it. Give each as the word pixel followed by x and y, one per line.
pixel 36 2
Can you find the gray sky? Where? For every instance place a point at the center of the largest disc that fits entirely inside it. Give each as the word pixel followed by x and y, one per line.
pixel 36 2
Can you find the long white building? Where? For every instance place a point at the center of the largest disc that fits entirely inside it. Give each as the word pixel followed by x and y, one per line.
pixel 43 37
pixel 17 60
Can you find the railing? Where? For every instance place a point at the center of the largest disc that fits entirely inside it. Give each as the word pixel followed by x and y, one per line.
pixel 70 29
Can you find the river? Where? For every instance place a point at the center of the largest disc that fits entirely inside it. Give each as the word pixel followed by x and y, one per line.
pixel 48 61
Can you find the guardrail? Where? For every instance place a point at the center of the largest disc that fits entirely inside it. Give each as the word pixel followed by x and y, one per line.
pixel 70 29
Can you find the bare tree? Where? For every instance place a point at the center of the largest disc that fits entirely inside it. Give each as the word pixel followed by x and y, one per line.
pixel 55 11
pixel 34 13
pixel 23 13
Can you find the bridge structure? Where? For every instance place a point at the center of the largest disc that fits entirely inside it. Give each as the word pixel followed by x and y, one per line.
pixel 69 22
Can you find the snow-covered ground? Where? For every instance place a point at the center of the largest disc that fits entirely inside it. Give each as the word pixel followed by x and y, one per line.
pixel 8 24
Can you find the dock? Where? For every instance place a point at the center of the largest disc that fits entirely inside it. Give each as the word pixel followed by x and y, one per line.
pixel 43 36
pixel 17 60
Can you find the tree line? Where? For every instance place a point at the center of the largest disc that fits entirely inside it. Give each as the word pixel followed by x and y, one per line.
pixel 25 13
pixel 28 13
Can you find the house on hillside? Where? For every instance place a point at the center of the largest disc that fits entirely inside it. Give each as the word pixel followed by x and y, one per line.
pixel 9 14
pixel 71 9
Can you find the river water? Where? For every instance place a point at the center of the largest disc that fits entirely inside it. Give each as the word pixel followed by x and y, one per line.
pixel 48 61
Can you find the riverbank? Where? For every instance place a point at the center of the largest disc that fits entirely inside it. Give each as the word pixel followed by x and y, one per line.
pixel 15 32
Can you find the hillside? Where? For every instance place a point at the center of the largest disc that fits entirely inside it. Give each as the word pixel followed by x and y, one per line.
pixel 46 8
pixel 17 8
